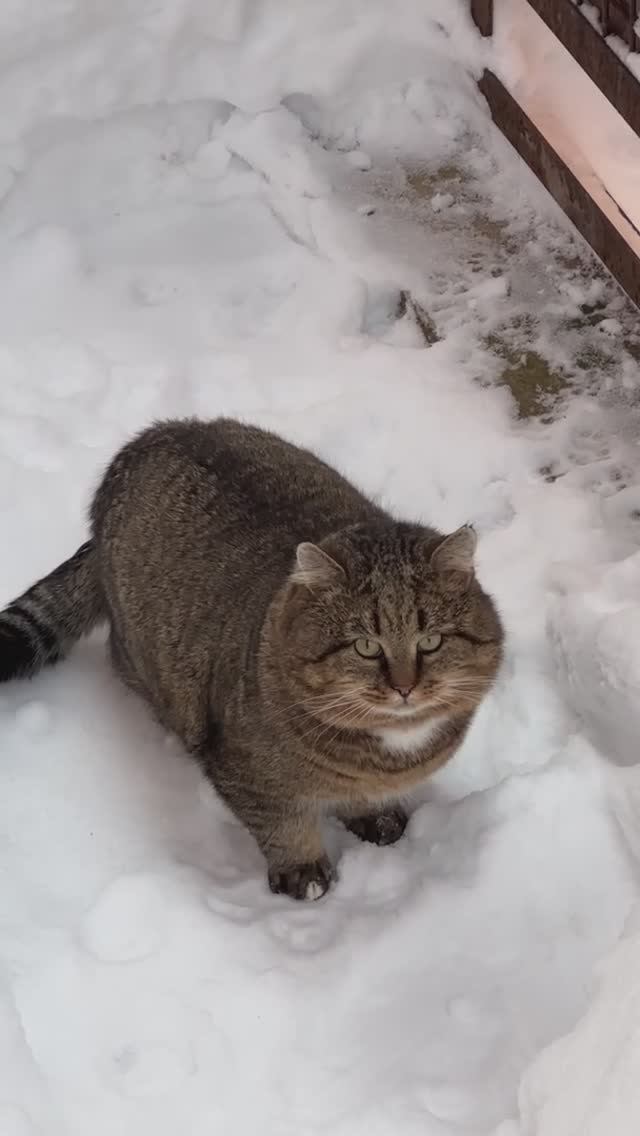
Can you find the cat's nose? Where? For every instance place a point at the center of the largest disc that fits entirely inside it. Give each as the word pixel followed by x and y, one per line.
pixel 405 691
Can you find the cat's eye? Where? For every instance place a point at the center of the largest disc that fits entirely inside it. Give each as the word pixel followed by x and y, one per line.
pixel 368 648
pixel 430 643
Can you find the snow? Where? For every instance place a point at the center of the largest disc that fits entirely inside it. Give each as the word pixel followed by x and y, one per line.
pixel 587 1083
pixel 213 209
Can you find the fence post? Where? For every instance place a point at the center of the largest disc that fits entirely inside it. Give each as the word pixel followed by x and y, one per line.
pixel 482 13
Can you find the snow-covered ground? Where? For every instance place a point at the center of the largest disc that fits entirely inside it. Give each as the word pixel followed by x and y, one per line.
pixel 212 207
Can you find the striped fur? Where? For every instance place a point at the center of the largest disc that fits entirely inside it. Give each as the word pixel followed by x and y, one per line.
pixel 40 626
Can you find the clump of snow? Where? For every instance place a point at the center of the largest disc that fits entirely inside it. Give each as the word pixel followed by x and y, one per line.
pixel 215 209
pixel 587 1083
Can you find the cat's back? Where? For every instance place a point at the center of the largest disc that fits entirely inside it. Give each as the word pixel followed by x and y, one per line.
pixel 227 473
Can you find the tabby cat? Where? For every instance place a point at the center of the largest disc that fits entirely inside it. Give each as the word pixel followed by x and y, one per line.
pixel 313 653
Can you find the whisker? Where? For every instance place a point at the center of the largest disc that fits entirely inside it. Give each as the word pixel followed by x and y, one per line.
pixel 308 706
pixel 339 722
pixel 321 728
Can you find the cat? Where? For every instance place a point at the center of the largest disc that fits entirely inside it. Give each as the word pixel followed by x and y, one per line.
pixel 314 654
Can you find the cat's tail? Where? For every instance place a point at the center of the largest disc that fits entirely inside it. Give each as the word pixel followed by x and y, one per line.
pixel 39 628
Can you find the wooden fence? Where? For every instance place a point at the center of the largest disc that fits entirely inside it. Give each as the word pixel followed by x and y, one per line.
pixel 569 22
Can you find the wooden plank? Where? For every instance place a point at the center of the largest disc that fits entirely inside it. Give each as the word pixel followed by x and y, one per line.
pixel 617 17
pixel 594 55
pixel 482 13
pixel 600 232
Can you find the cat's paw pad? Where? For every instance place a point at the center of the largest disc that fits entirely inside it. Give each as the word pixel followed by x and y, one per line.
pixel 379 828
pixel 303 881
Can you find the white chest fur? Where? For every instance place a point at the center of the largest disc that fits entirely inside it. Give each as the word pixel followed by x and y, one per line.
pixel 404 739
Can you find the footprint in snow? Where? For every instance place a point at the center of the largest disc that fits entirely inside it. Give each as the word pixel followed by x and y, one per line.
pixel 227 874
pixel 303 931
pixel 465 1011
pixel 15 1122
pixel 150 1070
pixel 33 717
pixel 235 910
pixel 448 1103
pixel 128 922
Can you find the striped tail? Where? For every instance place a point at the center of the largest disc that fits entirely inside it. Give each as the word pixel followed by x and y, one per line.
pixel 39 628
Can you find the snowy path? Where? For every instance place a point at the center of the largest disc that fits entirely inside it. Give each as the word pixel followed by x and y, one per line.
pixel 211 208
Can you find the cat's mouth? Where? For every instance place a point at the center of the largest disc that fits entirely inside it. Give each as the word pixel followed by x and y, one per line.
pixel 401 713
pixel 373 712
pixel 404 709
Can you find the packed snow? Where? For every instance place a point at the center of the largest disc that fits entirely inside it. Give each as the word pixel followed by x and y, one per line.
pixel 300 215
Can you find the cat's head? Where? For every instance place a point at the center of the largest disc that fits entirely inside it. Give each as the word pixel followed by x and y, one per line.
pixel 384 626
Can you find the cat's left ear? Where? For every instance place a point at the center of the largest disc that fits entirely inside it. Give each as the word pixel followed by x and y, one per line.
pixel 315 568
pixel 454 555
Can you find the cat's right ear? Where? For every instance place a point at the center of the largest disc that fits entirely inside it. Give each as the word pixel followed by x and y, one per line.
pixel 454 555
pixel 315 568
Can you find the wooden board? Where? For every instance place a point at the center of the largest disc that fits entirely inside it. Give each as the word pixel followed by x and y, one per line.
pixel 618 17
pixel 619 86
pixel 578 204
pixel 482 12
pixel 617 83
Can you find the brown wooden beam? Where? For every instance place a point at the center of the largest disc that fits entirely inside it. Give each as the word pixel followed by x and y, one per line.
pixel 482 13
pixel 594 55
pixel 563 185
pixel 617 17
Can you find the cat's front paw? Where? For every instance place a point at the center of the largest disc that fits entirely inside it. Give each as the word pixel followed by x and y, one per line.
pixel 379 828
pixel 303 881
